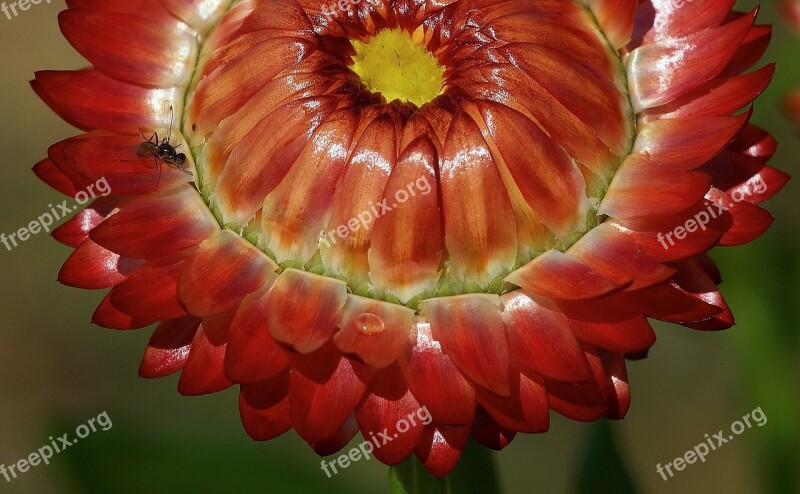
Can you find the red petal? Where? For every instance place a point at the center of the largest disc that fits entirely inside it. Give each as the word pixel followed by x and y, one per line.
pixel 75 231
pixel 88 156
pixel 584 402
pixel 687 143
pixel 169 347
pixel 49 173
pixel 264 407
pixel 440 447
pixel 745 177
pixel 718 98
pixel 221 273
pixel 526 410
pixel 692 60
pixel 656 237
pixel 298 209
pixel 203 372
pixel 617 389
pixel 102 36
pixel 303 309
pixel 540 339
pixel 110 317
pixel 489 433
pixel 749 221
pixel 114 105
pixel 480 239
pixel 391 416
pixel 561 276
pixel 338 440
pixel 641 188
pixel 92 267
pixel 263 158
pixel 406 246
pixel 359 190
pixel 157 225
pixel 151 292
pixel 693 278
pixel 201 15
pixel 630 336
pixel 537 172
pixel 436 382
pixel 253 355
pixel 324 389
pixel 616 19
pixel 616 256
pixel 471 332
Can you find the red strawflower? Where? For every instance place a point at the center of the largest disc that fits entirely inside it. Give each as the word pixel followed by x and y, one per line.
pixel 566 148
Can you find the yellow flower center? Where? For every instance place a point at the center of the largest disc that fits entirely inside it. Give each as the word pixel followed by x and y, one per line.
pixel 397 65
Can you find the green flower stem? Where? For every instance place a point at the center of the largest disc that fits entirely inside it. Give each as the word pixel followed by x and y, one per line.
pixel 475 472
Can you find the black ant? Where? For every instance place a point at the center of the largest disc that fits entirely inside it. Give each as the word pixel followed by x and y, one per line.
pixel 163 150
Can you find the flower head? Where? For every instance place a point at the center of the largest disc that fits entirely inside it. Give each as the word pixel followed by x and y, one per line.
pixel 469 207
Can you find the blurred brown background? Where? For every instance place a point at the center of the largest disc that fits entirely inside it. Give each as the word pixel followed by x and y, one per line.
pixel 57 370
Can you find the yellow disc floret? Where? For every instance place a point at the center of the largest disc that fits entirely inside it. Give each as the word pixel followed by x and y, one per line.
pixel 393 64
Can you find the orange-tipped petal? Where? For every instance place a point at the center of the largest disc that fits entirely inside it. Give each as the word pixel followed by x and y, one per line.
pixel 406 246
pixel 303 309
pixel 480 235
pixel 374 332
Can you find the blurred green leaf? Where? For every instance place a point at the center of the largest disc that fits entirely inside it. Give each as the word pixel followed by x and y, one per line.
pixel 124 462
pixel 602 470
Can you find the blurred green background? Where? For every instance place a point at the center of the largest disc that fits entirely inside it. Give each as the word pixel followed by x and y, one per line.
pixel 57 370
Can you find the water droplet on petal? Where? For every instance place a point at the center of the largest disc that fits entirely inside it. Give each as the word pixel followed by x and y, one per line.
pixel 368 324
